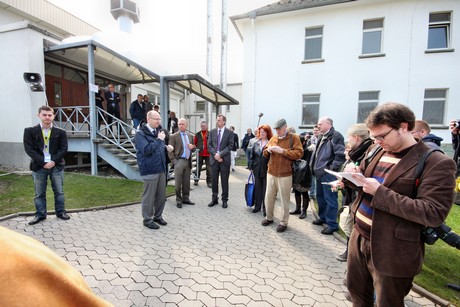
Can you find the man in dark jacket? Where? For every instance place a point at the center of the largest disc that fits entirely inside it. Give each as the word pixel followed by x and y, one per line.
pixel 138 110
pixel 151 158
pixel 422 131
pixel 329 154
pixel 46 145
pixel 244 144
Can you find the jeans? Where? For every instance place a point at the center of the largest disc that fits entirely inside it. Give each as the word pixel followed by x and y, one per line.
pixel 40 183
pixel 328 206
pixel 312 192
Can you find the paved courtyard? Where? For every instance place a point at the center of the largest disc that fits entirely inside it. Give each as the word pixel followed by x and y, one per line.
pixel 203 257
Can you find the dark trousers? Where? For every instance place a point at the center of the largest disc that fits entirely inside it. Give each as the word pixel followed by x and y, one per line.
pixel 260 187
pixel 222 169
pixel 205 161
pixel 362 277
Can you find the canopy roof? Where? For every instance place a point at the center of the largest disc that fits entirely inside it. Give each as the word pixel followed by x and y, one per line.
pixel 108 63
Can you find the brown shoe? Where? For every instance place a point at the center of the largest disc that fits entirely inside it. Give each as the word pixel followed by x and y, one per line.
pixel 266 222
pixel 281 228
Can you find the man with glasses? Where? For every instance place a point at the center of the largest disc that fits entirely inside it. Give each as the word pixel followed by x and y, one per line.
pixel 386 250
pixel 422 131
pixel 151 158
pixel 46 145
pixel 329 154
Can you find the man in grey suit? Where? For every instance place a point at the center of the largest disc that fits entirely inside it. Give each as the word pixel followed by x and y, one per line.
pixel 180 157
pixel 220 144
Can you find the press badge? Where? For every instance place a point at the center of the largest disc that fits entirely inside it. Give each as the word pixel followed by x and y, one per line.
pixel 47 158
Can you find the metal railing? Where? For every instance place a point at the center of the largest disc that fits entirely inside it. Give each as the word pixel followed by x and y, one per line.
pixel 77 120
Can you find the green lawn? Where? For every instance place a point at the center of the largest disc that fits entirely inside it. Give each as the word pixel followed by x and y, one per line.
pixel 81 191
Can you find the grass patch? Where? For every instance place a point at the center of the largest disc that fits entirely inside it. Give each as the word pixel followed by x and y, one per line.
pixel 81 191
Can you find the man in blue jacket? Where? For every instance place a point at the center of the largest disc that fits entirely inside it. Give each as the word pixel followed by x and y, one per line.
pixel 151 158
pixel 329 154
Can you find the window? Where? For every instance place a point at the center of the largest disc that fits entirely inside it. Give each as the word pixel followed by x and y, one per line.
pixel 313 43
pixel 58 93
pixel 310 109
pixel 200 106
pixel 439 31
pixel 372 36
pixel 367 102
pixel 434 106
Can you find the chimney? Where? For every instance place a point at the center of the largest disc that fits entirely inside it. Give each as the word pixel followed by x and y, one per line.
pixel 125 12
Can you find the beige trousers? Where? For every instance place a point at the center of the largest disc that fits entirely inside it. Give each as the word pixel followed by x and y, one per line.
pixel 282 186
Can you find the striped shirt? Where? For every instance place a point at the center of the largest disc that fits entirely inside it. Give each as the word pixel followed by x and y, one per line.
pixel 365 212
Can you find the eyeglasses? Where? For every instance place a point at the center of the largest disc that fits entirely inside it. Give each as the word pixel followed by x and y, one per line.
pixel 382 136
pixel 414 132
pixel 155 118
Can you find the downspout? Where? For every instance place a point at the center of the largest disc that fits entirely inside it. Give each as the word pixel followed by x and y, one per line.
pixel 223 59
pixel 209 55
pixel 92 110
pixel 253 16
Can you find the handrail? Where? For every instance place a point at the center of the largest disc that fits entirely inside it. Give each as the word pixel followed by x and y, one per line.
pixel 117 132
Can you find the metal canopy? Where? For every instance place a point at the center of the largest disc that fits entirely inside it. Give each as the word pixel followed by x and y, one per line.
pixel 107 62
pixel 110 64
pixel 201 87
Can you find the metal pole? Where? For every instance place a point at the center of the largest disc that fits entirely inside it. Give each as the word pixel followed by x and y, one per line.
pixel 92 110
pixel 223 55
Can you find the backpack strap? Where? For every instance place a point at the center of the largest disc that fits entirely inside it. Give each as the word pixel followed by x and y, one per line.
pixel 419 169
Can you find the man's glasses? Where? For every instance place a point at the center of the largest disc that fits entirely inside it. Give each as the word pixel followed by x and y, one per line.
pixel 382 136
pixel 155 118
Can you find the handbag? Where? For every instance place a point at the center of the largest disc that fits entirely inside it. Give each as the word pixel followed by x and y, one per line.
pixel 299 170
pixel 249 191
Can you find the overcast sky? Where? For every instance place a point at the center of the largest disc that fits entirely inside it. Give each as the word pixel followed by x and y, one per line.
pixel 171 37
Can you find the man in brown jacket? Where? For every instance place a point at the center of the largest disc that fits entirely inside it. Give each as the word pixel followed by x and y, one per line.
pixel 283 149
pixel 385 248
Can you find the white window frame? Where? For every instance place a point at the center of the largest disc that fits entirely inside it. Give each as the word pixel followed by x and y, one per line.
pixel 365 102
pixel 430 98
pixel 315 100
pixel 313 37
pixel 445 24
pixel 369 26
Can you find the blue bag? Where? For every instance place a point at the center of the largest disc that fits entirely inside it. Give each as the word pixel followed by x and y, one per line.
pixel 249 191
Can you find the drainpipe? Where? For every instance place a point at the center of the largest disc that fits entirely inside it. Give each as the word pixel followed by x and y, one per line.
pixel 92 109
pixel 223 58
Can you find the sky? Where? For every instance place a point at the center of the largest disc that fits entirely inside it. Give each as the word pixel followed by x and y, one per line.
pixel 172 35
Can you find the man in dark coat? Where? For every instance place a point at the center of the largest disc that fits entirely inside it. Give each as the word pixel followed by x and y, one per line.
pixel 46 145
pixel 113 101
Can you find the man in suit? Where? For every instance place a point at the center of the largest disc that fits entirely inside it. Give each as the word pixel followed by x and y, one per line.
pixel 220 144
pixel 386 249
pixel 113 103
pixel 46 145
pixel 181 158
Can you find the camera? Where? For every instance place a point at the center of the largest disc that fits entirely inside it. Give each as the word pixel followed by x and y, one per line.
pixel 431 235
pixel 457 124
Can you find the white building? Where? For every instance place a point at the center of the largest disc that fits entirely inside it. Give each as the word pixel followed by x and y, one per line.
pixel 339 58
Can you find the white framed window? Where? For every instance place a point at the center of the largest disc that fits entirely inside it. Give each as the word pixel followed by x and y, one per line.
pixel 439 30
pixel 310 109
pixel 434 105
pixel 200 106
pixel 313 43
pixel 372 36
pixel 367 102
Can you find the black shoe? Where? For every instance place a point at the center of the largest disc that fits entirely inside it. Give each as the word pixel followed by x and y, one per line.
pixel 328 231
pixel 37 219
pixel 188 202
pixel 281 228
pixel 224 205
pixel 179 205
pixel 318 222
pixel 343 256
pixel 266 222
pixel 295 212
pixel 195 183
pixel 151 225
pixel 63 216
pixel 209 185
pixel 160 221
pixel 233 170
pixel 255 210
pixel 303 215
pixel 213 203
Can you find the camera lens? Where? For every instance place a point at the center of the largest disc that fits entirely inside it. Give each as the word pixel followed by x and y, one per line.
pixel 457 124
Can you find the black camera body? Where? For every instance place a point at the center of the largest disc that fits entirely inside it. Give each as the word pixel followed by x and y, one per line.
pixel 431 235
pixel 457 124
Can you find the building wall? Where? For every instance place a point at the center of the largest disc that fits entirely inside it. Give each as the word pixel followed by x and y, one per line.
pixel 19 105
pixel 275 78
